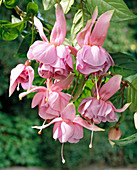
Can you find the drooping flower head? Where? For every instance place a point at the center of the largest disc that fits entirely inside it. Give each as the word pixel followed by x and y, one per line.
pixel 55 59
pixel 93 58
pixel 100 109
pixel 69 127
pixel 21 74
pixel 50 100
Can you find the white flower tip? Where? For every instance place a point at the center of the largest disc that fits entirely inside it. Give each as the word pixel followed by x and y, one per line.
pixel 63 161
pixel 9 94
pixel 90 145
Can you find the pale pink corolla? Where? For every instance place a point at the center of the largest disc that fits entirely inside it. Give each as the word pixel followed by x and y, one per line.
pixel 21 74
pixel 55 59
pixel 50 100
pixel 93 58
pixel 98 108
pixel 69 127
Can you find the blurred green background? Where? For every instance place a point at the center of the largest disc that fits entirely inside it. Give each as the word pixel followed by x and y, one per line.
pixel 20 145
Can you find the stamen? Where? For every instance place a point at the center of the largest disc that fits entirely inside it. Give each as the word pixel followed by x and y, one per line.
pixel 63 160
pixel 46 99
pixel 39 132
pixel 18 88
pixel 90 145
pixel 96 86
pixel 49 83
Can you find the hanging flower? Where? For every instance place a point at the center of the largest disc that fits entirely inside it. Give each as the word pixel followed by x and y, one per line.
pixel 69 127
pixel 55 59
pixel 93 58
pixel 50 100
pixel 21 74
pixel 98 108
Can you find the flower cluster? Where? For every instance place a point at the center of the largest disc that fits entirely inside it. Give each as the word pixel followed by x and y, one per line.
pixel 56 65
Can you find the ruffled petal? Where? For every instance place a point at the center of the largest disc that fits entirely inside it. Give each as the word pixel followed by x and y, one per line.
pixel 42 52
pixel 59 30
pixel 57 130
pixel 67 130
pixel 78 134
pixel 30 72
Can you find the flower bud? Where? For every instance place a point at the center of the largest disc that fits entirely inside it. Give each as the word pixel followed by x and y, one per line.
pixel 135 120
pixel 115 134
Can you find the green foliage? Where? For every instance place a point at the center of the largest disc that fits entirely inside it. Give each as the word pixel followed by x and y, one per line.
pixel 9 31
pixel 19 144
pixel 132 95
pixel 126 141
pixel 16 138
pixel 32 8
pixel 11 3
pixel 125 65
pixel 24 46
pixel 78 23
pixel 66 4
pixel 48 4
pixel 121 12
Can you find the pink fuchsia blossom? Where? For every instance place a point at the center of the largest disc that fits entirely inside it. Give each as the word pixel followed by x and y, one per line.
pixel 21 74
pixel 69 127
pixel 93 58
pixel 50 100
pixel 100 109
pixel 55 59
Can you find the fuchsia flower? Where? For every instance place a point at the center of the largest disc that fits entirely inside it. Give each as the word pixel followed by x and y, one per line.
pixel 101 109
pixel 69 127
pixel 50 100
pixel 21 74
pixel 93 58
pixel 55 59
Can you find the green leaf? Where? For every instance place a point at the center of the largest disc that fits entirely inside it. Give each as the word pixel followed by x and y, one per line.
pixel 10 3
pixel 48 4
pixel 121 13
pixel 125 64
pixel 126 141
pixel 10 31
pixel 132 95
pixel 66 5
pixel 32 8
pixel 24 46
pixel 80 88
pixel 78 23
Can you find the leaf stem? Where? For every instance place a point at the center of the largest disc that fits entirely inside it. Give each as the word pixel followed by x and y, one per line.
pixel 80 88
pixel 90 7
pixel 75 86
